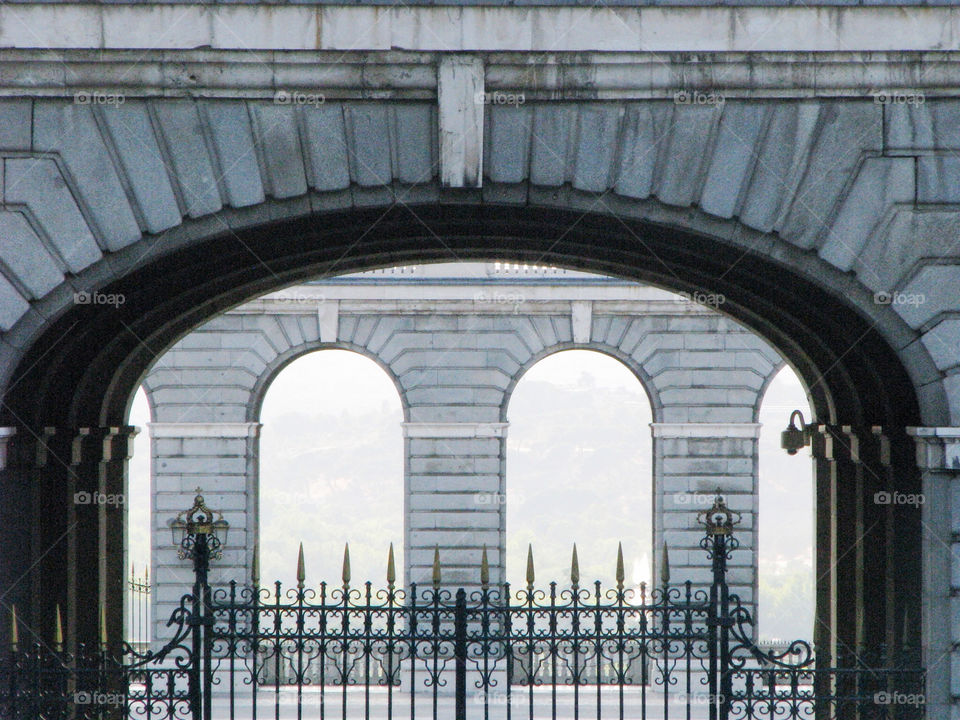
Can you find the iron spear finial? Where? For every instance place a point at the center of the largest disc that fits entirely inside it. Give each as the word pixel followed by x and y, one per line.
pixel 103 626
pixel 436 566
pixel 484 569
pixel 391 568
pixel 621 575
pixel 301 568
pixel 57 630
pixel 531 576
pixel 665 565
pixel 345 573
pixel 574 568
pixel 14 637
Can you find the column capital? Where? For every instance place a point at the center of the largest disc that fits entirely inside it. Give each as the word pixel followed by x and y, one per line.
pixel 5 434
pixel 455 429
pixel 204 430
pixel 705 430
pixel 938 448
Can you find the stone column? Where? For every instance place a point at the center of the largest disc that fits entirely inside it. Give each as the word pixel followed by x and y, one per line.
pixel 840 485
pixel 222 460
pixel 75 478
pixel 455 500
pixel 691 461
pixel 938 457
pixel 17 487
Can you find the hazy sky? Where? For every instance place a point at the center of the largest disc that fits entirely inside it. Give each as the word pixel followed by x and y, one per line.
pixel 332 471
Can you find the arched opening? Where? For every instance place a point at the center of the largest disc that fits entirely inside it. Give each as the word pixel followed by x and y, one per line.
pixel 83 368
pixel 578 470
pixel 331 469
pixel 786 574
pixel 137 585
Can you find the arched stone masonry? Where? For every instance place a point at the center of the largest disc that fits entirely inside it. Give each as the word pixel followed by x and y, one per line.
pixel 456 346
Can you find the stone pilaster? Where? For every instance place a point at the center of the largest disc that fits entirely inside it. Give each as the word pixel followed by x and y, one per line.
pixel 691 462
pixel 455 500
pixel 222 459
pixel 938 457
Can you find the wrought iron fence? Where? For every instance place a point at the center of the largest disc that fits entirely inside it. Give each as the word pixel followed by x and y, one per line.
pixel 346 652
pixel 138 609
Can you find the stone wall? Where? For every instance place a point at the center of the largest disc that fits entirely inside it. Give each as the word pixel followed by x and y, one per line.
pixel 455 352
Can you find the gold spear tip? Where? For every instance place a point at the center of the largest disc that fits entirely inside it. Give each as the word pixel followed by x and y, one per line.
pixel 436 565
pixel 391 567
pixel 103 625
pixel 574 568
pixel 531 576
pixel 301 568
pixel 14 637
pixel 345 573
pixel 620 573
pixel 665 565
pixel 58 629
pixel 484 568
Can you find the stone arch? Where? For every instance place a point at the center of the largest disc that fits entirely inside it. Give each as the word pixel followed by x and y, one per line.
pixel 638 525
pixel 616 353
pixel 262 386
pixel 887 379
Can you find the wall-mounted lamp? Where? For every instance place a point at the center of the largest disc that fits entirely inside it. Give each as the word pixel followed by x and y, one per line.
pixel 794 438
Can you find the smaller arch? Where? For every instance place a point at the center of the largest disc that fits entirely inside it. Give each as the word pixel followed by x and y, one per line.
pixel 329 468
pixel 276 366
pixel 646 382
pixel 587 444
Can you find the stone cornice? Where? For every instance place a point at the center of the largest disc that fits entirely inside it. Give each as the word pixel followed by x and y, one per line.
pixel 706 430
pixel 455 430
pixel 203 430
pixel 938 448
pixel 539 75
pixel 457 28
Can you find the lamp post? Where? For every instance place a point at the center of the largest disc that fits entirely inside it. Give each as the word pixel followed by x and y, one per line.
pixel 199 533
pixel 718 522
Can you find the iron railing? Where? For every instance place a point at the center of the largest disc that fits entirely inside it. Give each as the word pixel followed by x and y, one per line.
pixel 345 652
pixel 138 610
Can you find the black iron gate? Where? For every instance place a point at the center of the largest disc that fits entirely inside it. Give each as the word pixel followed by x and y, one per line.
pixel 349 652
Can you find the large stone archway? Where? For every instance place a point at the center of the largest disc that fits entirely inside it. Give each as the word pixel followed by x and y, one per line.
pixel 804 213
pixel 98 362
